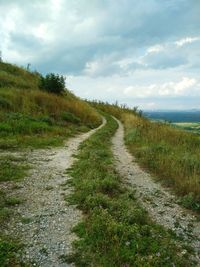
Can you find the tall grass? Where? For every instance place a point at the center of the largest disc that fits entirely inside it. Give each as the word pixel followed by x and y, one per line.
pixel 29 115
pixel 115 230
pixel 115 109
pixel 13 76
pixel 170 154
pixel 37 103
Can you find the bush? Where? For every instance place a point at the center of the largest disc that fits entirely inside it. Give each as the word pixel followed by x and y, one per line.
pixel 67 116
pixel 52 83
pixel 4 103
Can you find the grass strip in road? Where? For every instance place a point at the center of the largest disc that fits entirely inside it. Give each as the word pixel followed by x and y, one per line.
pixel 115 230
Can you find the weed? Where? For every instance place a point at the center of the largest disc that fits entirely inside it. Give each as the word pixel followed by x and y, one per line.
pixel 44 251
pixel 115 230
pixel 8 250
pixel 189 201
pixel 10 170
pixel 5 214
pixel 26 220
pixel 12 201
pixel 170 154
pixel 4 103
pixel 8 247
pixel 67 116
pixel 37 118
pixel 49 187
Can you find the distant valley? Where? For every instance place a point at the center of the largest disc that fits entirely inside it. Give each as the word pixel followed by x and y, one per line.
pixel 174 116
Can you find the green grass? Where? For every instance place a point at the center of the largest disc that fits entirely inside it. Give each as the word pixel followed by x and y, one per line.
pixel 18 130
pixel 189 126
pixel 30 117
pixel 11 169
pixel 115 230
pixel 8 251
pixel 4 211
pixel 170 154
pixel 8 247
pixel 12 201
pixel 13 76
pixel 36 135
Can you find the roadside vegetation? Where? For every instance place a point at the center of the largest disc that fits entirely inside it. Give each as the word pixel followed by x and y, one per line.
pixel 39 112
pixel 35 114
pixel 115 230
pixel 12 170
pixel 170 154
pixel 31 115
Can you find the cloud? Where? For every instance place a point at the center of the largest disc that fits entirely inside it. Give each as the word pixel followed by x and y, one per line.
pixel 187 40
pixel 164 59
pixel 112 44
pixel 185 87
pixel 155 49
pixel 97 29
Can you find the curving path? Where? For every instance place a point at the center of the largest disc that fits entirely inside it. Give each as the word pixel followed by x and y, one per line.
pixel 158 201
pixel 44 219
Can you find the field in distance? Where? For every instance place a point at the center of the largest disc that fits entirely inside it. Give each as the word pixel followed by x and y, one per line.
pixel 189 126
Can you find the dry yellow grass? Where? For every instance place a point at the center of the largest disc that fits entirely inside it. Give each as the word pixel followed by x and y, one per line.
pixel 27 110
pixel 171 154
pixel 20 88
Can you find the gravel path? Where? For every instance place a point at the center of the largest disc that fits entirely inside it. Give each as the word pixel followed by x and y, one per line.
pixel 44 219
pixel 158 201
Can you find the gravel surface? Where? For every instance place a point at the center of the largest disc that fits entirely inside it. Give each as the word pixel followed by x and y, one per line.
pixel 160 203
pixel 44 220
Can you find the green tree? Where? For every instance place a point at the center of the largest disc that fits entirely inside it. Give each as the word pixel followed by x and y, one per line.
pixel 52 83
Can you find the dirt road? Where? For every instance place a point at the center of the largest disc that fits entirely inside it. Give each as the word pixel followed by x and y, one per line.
pixel 158 201
pixel 44 221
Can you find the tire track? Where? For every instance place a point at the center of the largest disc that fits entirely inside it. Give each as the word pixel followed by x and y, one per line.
pixel 158 201
pixel 44 220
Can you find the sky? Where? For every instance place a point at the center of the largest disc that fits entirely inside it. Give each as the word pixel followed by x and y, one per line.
pixel 142 53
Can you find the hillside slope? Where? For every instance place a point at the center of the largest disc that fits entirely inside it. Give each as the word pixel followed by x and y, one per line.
pixel 32 117
pixel 170 154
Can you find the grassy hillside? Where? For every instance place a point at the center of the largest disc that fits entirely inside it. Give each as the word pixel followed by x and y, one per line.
pixel 170 154
pixel 31 117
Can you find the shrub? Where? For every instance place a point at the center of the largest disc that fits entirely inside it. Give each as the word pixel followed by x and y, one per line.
pixel 52 83
pixel 4 103
pixel 68 116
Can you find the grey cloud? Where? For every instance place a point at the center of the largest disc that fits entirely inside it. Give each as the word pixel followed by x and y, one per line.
pixel 105 41
pixel 116 26
pixel 164 60
pixel 24 41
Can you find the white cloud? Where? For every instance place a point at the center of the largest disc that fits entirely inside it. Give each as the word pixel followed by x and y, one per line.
pixel 185 87
pixel 187 40
pixel 109 55
pixel 155 49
